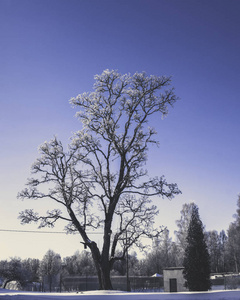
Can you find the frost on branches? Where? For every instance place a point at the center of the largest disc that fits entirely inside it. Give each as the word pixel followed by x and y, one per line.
pixel 101 177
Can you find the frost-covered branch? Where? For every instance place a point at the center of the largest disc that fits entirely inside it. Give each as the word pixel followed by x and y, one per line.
pixel 67 187
pixel 28 216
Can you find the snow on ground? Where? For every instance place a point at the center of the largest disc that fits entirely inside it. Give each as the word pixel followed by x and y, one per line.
pixel 117 295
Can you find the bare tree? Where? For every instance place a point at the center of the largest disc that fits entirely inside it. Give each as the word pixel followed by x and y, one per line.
pixel 13 270
pixel 216 243
pixel 50 266
pixel 181 233
pixel 163 255
pixel 101 179
pixel 80 264
pixel 183 224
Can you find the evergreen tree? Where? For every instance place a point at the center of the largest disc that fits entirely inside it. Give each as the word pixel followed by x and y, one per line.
pixel 196 259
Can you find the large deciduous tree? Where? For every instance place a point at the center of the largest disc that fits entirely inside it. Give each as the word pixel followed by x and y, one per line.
pixel 101 177
pixel 196 259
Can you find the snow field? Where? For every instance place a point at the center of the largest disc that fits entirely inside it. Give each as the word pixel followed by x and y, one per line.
pixel 117 295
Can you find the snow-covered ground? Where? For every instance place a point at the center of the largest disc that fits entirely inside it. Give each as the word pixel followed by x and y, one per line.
pixel 116 295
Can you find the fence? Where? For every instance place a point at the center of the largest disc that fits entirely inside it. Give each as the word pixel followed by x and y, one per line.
pixel 137 283
pixel 226 281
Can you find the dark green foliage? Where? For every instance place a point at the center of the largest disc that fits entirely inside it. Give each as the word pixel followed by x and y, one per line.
pixel 196 259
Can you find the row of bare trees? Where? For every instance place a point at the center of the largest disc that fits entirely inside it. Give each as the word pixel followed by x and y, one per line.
pixel 20 270
pixel 46 270
pixel 223 247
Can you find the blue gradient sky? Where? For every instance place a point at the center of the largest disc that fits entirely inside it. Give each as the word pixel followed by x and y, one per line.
pixel 51 49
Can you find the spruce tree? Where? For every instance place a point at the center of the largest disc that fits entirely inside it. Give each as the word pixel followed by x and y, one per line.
pixel 196 259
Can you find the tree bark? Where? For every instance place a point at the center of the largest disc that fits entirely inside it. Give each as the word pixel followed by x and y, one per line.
pixel 103 268
pixel 105 279
pixel 102 265
pixel 101 261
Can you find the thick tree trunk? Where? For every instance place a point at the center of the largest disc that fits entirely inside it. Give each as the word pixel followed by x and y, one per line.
pixel 101 261
pixel 102 265
pixel 103 272
pixel 105 280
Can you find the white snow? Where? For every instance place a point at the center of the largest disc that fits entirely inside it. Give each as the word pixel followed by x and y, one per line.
pixel 117 295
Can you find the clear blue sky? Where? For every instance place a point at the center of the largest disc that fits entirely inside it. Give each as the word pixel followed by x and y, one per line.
pixel 51 49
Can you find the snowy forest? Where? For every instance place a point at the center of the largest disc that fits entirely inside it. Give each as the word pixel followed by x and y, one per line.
pixel 223 248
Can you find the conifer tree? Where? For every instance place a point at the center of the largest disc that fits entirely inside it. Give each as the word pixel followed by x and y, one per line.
pixel 196 259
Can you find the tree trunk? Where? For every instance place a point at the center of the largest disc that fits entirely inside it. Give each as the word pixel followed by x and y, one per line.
pixel 6 281
pixel 103 268
pixel 105 280
pixel 50 282
pixel 101 262
pixel 103 273
pixel 236 263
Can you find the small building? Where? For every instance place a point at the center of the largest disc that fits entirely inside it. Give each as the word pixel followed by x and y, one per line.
pixel 173 280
